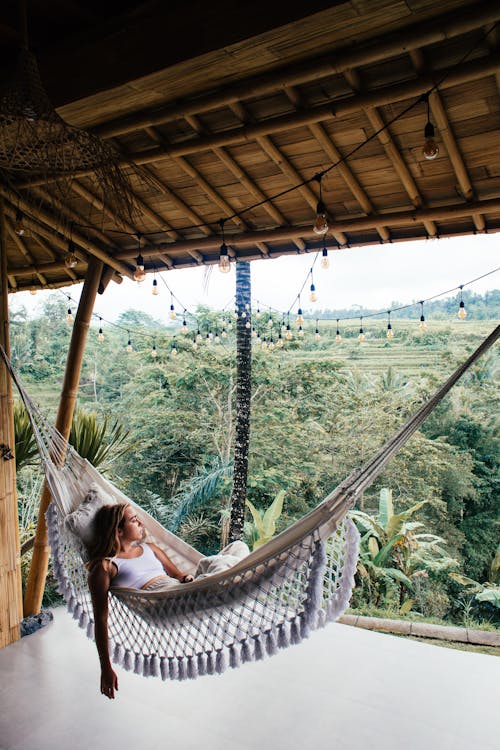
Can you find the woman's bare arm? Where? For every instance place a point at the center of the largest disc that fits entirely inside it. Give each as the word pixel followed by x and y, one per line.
pixel 170 568
pixel 99 583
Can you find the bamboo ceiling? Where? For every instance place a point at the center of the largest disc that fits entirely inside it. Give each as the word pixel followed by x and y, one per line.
pixel 235 125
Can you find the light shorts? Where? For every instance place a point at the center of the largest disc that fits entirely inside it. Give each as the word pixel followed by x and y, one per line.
pixel 162 584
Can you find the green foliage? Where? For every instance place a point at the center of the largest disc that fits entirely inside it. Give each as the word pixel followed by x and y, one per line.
pixel 265 522
pixel 26 448
pixel 98 442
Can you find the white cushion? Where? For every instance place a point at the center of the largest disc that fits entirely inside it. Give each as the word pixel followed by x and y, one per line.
pixel 81 521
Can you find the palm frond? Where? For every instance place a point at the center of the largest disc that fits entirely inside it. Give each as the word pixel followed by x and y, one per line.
pixel 199 490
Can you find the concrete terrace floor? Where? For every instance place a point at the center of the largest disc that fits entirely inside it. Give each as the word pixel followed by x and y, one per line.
pixel 344 688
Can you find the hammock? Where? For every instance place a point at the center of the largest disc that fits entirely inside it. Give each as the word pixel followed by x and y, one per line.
pixel 296 583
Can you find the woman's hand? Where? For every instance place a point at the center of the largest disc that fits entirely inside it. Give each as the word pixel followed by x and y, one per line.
pixel 188 578
pixel 109 682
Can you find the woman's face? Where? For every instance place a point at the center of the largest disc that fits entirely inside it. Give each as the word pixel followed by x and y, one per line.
pixel 132 529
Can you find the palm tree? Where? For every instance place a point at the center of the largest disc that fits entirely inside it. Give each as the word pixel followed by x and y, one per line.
pixel 243 398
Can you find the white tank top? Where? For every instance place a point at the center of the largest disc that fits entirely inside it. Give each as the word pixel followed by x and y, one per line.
pixel 134 572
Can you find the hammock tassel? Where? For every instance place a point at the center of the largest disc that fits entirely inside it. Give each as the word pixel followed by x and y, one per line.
pixel 90 630
pixel 283 641
pixel 234 657
pixel 128 662
pixel 192 672
pixel 173 668
pixel 258 653
pixel 210 663
pixel 145 665
pixel 181 672
pixel 295 631
pixel 246 654
pixel 304 628
pixel 154 666
pixel 83 621
pixel 118 654
pixel 138 663
pixel 201 664
pixel 164 668
pixel 220 661
pixel 271 644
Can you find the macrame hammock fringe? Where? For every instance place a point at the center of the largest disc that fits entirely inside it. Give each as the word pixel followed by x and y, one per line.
pixel 296 583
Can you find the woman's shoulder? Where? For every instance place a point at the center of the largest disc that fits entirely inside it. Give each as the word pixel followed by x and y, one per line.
pixel 102 566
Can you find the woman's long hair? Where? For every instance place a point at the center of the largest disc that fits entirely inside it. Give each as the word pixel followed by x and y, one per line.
pixel 107 522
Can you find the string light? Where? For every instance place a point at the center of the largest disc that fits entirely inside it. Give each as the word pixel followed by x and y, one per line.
pixel 223 333
pixel 270 321
pixel 300 331
pixel 173 350
pixel 280 341
pixel 264 343
pixel 70 259
pixel 257 314
pixel 19 227
pixel 271 344
pixel 217 338
pixel 208 340
pixel 195 343
pixel 313 296
pixel 69 316
pixel 430 149
pixel 184 328
pixel 139 273
pixel 338 337
pixel 325 260
pixel 320 225
pixel 462 312
pixel 129 344
pixel 224 265
pixel 100 335
pixel 317 334
pixel 248 324
pixel 198 336
pixel 300 317
pixel 390 332
pixel 155 291
pixel 172 314
pixel 423 324
pixel 154 352
pixel 254 333
pixel 258 339
pixel 361 336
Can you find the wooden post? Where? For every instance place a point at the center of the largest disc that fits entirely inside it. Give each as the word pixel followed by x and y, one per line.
pixel 39 564
pixel 11 611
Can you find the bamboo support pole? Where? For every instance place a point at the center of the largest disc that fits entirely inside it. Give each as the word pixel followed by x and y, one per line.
pixel 422 34
pixel 390 219
pixel 11 611
pixel 38 570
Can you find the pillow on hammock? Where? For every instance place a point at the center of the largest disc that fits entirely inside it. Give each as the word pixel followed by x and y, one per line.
pixel 81 521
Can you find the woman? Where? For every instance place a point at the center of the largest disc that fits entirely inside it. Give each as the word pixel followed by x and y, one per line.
pixel 119 557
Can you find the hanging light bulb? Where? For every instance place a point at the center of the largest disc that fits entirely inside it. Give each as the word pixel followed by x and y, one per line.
pixel 172 314
pixel 288 334
pixel 300 317
pixel 224 265
pixel 184 328
pixel 258 339
pixel 301 331
pixel 320 225
pixel 244 314
pixel 70 259
pixel 208 340
pixel 139 273
pixel 235 313
pixel 195 343
pixel 100 335
pixel 317 334
pixel 173 350
pixel 19 227
pixel 154 352
pixel 129 344
pixel 155 291
pixel 430 149
pixel 264 343
pixel 223 333
pixel 313 296
pixel 270 321
pixel 217 338
pixel 283 325
pixel 248 324
pixel 325 260
pixel 390 332
pixel 257 314
pixel 229 325
pixel 361 336
pixel 69 317
pixel 462 312
pixel 280 341
pixel 423 324
pixel 271 344
pixel 198 336
pixel 254 333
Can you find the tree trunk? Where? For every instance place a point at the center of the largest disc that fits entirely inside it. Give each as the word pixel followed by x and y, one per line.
pixel 243 396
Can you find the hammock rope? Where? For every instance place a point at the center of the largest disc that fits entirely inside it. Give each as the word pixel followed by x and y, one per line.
pixel 275 597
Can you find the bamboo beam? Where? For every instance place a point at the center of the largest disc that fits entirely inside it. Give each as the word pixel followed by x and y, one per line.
pixel 326 143
pixel 11 612
pixel 392 152
pixel 80 239
pixel 39 268
pixel 24 252
pixel 240 174
pixel 38 570
pixel 347 224
pixel 82 257
pixel 428 32
pixel 446 133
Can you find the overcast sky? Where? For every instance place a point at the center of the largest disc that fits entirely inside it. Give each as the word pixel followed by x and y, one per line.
pixel 373 276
